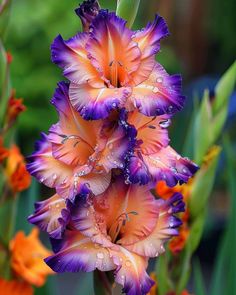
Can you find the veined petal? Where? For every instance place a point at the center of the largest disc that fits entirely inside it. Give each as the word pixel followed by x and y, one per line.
pixel 168 165
pixel 148 40
pixel 152 132
pixel 51 216
pixel 76 252
pixel 71 56
pixel 72 143
pixel 129 211
pixel 131 272
pixel 96 103
pixel 165 165
pixel 45 167
pixel 166 227
pixel 159 94
pixel 114 63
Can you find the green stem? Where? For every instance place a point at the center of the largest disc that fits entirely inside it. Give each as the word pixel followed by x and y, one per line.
pixel 128 9
pixel 102 285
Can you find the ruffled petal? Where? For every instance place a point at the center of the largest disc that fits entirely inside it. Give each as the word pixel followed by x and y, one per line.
pixel 131 272
pixel 96 103
pixel 152 132
pixel 72 143
pixel 114 63
pixel 86 220
pixel 121 141
pixel 165 165
pixel 45 167
pixel 129 212
pixel 159 94
pixel 166 227
pixel 71 56
pixel 148 40
pixel 76 252
pixel 51 216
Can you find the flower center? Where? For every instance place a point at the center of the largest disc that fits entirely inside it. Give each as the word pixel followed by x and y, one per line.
pixel 120 222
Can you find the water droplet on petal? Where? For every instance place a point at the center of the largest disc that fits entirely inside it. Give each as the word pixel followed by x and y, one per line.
pixel 100 255
pixel 165 123
pixel 159 79
pixel 128 263
pixel 155 90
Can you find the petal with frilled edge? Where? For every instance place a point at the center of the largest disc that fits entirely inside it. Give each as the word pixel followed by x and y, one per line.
pixel 129 212
pixel 121 141
pixel 111 49
pixel 51 216
pixel 96 103
pixel 165 229
pixel 71 56
pixel 88 221
pixel 159 94
pixel 131 272
pixel 76 252
pixel 73 142
pixel 168 165
pixel 148 40
pixel 152 132
pixel 45 167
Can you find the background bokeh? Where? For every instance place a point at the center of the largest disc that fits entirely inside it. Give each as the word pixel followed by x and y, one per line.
pixel 201 47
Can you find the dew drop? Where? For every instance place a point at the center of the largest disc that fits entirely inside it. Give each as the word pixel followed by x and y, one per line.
pixel 100 255
pixel 159 79
pixel 155 90
pixel 54 176
pixel 128 263
pixel 165 123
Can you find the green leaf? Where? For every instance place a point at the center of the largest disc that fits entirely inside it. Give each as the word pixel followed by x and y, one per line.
pixel 162 273
pixel 198 279
pixel 223 89
pixel 203 182
pixel 202 129
pixel 26 206
pixel 127 9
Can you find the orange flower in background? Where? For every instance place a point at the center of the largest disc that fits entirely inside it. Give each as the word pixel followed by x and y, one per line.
pixel 14 108
pixel 15 288
pixel 18 177
pixel 177 244
pixel 3 151
pixel 27 254
pixel 9 57
pixel 184 292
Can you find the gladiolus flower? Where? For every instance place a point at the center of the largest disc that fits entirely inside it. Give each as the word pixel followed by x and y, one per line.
pixel 18 177
pixel 117 230
pixel 3 151
pixel 15 287
pixel 15 107
pixel 78 152
pixel 112 67
pixel 27 254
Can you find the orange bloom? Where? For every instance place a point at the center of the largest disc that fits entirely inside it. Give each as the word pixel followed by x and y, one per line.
pixel 9 57
pixel 184 292
pixel 15 288
pixel 18 177
pixel 177 244
pixel 27 254
pixel 15 107
pixel 153 290
pixel 165 192
pixel 3 151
